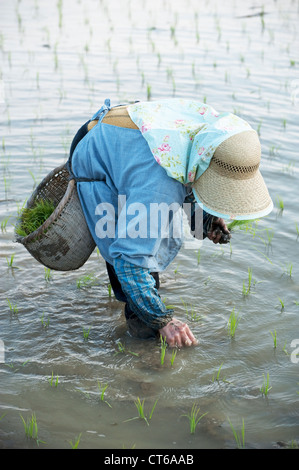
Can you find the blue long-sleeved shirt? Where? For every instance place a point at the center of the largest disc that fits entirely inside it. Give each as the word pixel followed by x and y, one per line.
pixel 117 175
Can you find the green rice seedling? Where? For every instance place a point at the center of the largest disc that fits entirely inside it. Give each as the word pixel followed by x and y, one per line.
pixel 163 345
pixel 122 349
pixel 140 408
pixel 285 349
pixel 245 291
pixel 280 204
pixel 59 8
pixel 274 336
pixel 232 324
pixel 86 281
pixel 48 274
pixel 44 323
pixel 240 440
pixel 191 314
pixel 102 390
pixel 148 92
pixel 173 356
pixel 4 224
pixel 30 219
pixel 169 307
pixel 76 442
pixel 10 261
pixel 263 254
pixel 240 224
pixel 288 268
pixel 52 382
pixel 31 428
pixel 176 270
pixel 13 308
pixel 217 378
pixel 86 334
pixel 6 186
pixel 194 418
pixel 141 413
pixel 281 303
pixel 109 290
pixel 218 373
pixel 265 388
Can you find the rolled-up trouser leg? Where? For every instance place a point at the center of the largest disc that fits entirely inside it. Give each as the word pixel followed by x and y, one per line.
pixel 136 327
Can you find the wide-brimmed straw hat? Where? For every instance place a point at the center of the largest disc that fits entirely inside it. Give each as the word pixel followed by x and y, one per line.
pixel 232 187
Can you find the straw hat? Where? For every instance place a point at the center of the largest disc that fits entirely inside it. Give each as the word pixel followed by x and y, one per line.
pixel 232 186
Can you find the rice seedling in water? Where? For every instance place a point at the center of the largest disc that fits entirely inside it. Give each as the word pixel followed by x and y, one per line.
pixel 76 442
pixel 280 204
pixel 173 356
pixel 233 322
pixel 5 222
pixel 191 314
pixel 13 308
pixel 86 281
pixel 86 334
pixel 51 380
pixel 31 428
pixel 194 418
pixel 265 388
pixel 140 408
pixel 163 345
pixel 288 269
pixel 122 349
pixel 48 275
pixel 297 230
pixel 109 290
pixel 281 303
pixel 240 440
pixel 10 261
pixel 217 378
pixel 44 323
pixel 30 219
pixel 102 390
pixel 274 336
pixel 245 290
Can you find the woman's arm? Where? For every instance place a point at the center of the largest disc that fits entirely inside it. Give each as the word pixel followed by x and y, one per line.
pixel 144 300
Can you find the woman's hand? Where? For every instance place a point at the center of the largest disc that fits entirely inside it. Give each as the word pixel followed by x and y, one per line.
pixel 177 333
pixel 218 231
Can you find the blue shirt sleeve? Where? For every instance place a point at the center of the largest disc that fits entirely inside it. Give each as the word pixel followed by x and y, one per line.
pixel 142 295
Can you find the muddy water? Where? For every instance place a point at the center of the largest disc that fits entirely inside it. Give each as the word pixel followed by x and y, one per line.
pixel 58 64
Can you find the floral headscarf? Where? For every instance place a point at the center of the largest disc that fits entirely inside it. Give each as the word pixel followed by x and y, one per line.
pixel 184 134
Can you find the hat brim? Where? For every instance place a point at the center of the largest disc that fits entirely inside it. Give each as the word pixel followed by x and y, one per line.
pixel 229 198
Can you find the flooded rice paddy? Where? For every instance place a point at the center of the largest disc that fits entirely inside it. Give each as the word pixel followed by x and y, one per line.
pixel 66 356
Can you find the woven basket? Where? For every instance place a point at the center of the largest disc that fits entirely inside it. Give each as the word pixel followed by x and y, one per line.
pixel 63 242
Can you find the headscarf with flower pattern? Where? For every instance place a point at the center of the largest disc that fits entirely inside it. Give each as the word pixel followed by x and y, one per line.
pixel 184 134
